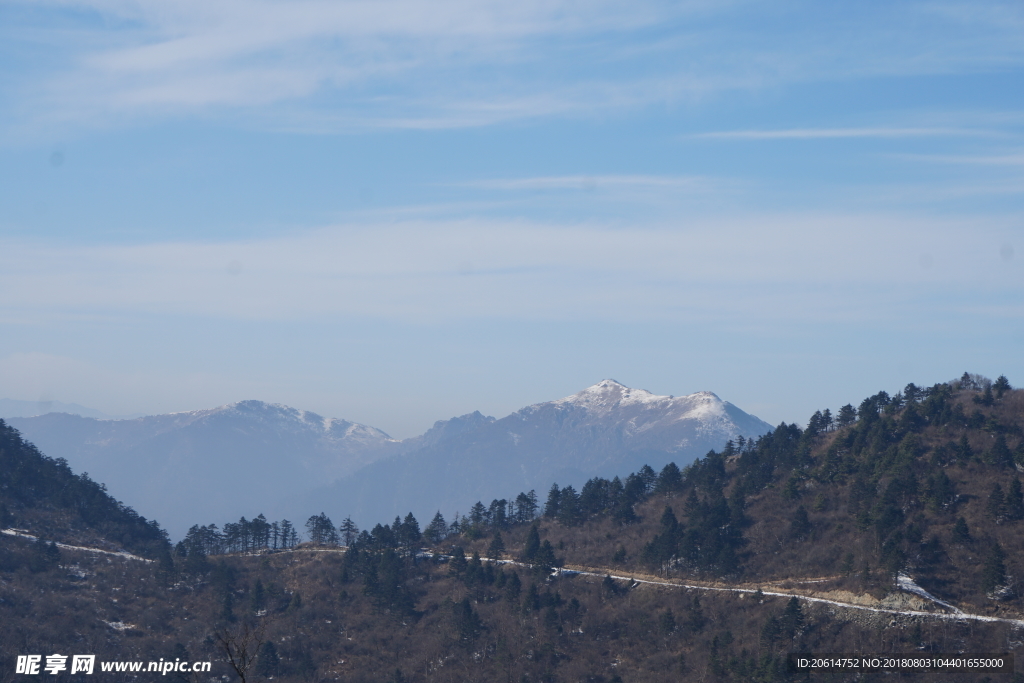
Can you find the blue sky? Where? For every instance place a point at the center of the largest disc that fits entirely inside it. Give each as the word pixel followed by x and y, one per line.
pixel 402 210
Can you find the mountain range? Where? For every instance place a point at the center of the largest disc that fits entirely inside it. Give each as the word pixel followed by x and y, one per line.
pixel 210 466
pixel 14 408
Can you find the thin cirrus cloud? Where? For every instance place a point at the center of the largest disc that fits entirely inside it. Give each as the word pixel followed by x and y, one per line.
pixel 580 182
pixel 799 267
pixel 1012 159
pixel 828 133
pixel 456 63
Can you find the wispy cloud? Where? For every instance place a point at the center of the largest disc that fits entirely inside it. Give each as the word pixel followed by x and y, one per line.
pixel 593 182
pixel 826 133
pixel 452 63
pixel 1012 159
pixel 417 270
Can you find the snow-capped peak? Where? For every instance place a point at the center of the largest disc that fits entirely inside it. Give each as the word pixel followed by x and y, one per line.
pixel 608 395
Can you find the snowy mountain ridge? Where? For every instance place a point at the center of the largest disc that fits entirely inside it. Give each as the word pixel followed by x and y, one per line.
pixel 213 464
pixel 284 416
pixel 608 395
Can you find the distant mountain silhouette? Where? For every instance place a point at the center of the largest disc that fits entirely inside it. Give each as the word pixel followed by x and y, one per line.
pixel 605 430
pixel 211 466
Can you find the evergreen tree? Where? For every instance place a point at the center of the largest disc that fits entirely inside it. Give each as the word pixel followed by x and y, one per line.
pixel 532 544
pixel 545 560
pixel 569 512
pixel 289 537
pixel 964 452
pixel 1000 454
pixel 437 530
pixel 792 620
pixel 349 531
pixel 525 507
pixel 695 619
pixel 268 664
pixel 321 530
pixel 649 478
pixel 497 547
pixel 477 514
pixel 996 507
pixel 467 621
pixel 474 570
pixel 961 534
pixel 457 566
pixel 409 532
pixel 667 622
pixel 1001 386
pixel 258 597
pixel 670 479
pixel 551 506
pixel 513 587
pixel 1015 501
pixel 846 417
pixel 993 573
pixel 800 525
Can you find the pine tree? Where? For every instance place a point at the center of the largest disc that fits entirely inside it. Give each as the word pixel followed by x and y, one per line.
pixel 513 587
pixel 569 512
pixel 961 534
pixel 1015 501
pixel 551 506
pixel 437 530
pixel 525 507
pixel 667 622
pixel 792 620
pixel 847 416
pixel 409 532
pixel 497 547
pixel 269 662
pixel 315 530
pixel 964 451
pixel 670 479
pixel 532 544
pixel 545 559
pixel 258 597
pixel 993 574
pixel 996 507
pixel 800 525
pixel 457 566
pixel 1000 454
pixel 349 531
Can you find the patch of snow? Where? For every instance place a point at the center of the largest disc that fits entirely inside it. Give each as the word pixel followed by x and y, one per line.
pixel 119 625
pixel 905 583
pixel 22 534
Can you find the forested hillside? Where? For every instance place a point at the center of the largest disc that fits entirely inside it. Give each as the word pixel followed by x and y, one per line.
pixel 44 495
pixel 791 542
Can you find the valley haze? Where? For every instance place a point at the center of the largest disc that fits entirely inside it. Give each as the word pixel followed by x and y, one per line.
pixel 246 458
